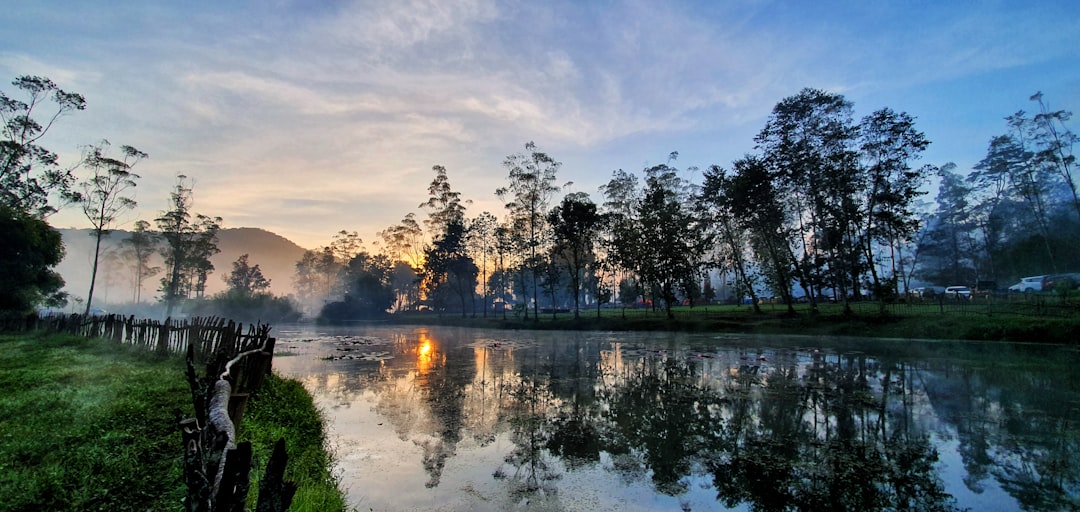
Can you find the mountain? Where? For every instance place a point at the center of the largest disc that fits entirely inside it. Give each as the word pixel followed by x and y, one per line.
pixel 275 255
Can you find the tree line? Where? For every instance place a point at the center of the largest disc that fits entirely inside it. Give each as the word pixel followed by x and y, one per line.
pixel 824 207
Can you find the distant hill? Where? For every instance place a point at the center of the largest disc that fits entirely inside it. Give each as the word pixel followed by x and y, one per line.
pixel 275 255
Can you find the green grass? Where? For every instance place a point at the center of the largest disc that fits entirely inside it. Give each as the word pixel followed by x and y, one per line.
pixel 974 320
pixel 87 424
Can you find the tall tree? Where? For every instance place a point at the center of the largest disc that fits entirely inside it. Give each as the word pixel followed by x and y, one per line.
pixel 1032 179
pixel 670 235
pixel 345 245
pixel 1054 144
pixel 574 225
pixel 404 244
pixel 948 247
pixel 622 200
pixel 29 173
pixel 889 143
pixel 753 194
pixel 245 280
pixel 404 241
pixel 444 204
pixel 808 141
pixel 448 268
pixel 717 205
pixel 532 184
pixel 189 241
pixel 137 249
pixel 482 243
pixel 103 196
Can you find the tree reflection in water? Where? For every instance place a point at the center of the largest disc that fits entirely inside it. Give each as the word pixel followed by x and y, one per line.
pixel 766 429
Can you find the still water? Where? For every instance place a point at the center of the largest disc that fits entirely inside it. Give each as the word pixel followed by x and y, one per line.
pixel 432 418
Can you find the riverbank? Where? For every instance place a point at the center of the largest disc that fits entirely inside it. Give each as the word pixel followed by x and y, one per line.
pixel 86 424
pixel 930 322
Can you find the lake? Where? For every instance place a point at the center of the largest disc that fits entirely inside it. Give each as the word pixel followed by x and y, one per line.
pixel 437 418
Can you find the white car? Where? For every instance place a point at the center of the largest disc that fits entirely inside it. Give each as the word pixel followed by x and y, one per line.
pixel 957 292
pixel 1028 285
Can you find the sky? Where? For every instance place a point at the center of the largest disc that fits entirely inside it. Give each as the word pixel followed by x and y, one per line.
pixel 306 118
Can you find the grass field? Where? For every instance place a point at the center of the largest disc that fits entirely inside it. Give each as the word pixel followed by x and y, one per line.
pixel 90 425
pixel 1023 319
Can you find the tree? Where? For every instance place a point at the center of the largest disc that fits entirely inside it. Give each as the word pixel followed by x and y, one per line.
pixel 717 204
pixel 622 199
pixel 188 244
pixel 29 173
pixel 404 244
pixel 670 235
pixel 245 280
pixel 448 267
pixel 102 196
pixel 444 205
pixel 137 249
pixel 574 225
pixel 889 143
pixel 1054 144
pixel 30 250
pixel 532 183
pixel 310 279
pixel 368 290
pixel 948 247
pixel 807 142
pixel 482 243
pixel 345 246
pixel 753 195
pixel 404 241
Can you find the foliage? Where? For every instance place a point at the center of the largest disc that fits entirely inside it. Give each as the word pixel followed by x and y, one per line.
pixel 102 196
pixel 29 173
pixel 189 241
pixel 449 270
pixel 30 250
pixel 575 224
pixel 807 144
pixel 369 291
pixel 136 250
pixel 246 299
pixel 532 177
pixel 669 244
pixel 245 280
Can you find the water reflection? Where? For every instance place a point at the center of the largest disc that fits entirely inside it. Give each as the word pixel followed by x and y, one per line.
pixel 591 421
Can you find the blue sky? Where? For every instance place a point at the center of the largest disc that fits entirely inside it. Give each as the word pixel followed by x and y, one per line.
pixel 306 118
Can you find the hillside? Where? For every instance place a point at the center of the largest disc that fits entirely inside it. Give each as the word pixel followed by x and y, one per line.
pixel 275 255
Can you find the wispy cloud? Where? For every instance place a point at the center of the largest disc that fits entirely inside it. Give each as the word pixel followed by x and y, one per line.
pixel 314 117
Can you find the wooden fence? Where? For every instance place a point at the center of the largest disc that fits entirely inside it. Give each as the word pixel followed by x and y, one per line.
pixel 236 361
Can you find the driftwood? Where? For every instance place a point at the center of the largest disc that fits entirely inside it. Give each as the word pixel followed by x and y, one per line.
pixel 216 468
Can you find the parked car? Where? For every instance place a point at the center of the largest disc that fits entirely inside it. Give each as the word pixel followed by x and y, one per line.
pixel 1061 282
pixel 926 292
pixel 1028 285
pixel 957 292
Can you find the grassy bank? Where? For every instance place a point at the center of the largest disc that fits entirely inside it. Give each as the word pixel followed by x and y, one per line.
pixel 89 425
pixel 930 321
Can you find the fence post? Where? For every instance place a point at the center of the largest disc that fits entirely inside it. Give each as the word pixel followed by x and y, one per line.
pixel 163 336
